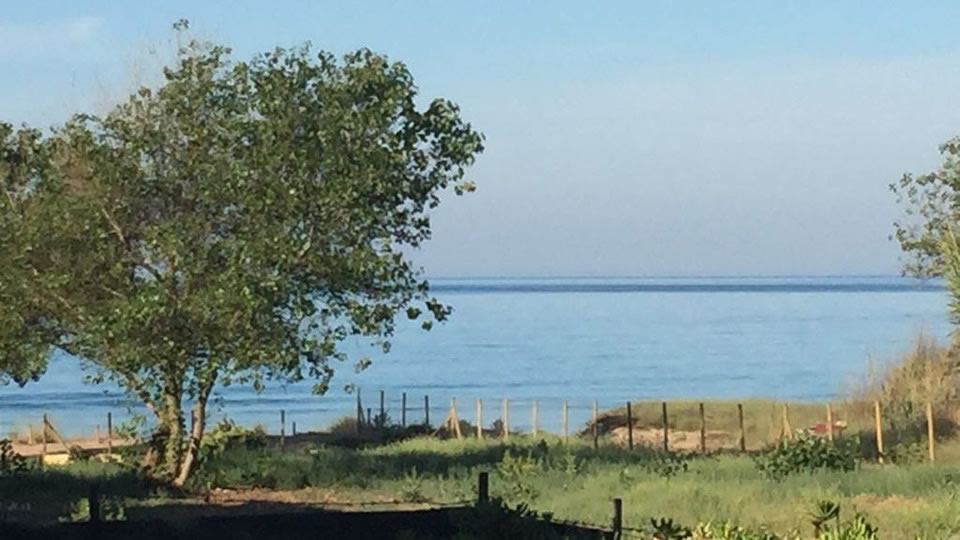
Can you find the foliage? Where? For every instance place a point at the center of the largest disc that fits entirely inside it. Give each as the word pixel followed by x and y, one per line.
pixel 10 461
pixel 824 512
pixel 859 528
pixel 729 531
pixel 667 529
pixel 808 453
pixel 515 472
pixel 725 493
pixel 928 373
pixel 234 225
pixel 111 509
pixel 344 426
pixel 412 490
pixel 856 529
pixel 931 204
pixel 668 464
pixel 226 435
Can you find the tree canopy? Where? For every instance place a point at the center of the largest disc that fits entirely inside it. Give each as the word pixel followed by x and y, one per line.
pixel 931 204
pixel 928 232
pixel 233 225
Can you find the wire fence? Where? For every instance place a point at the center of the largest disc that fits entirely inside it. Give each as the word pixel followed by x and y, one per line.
pixel 675 425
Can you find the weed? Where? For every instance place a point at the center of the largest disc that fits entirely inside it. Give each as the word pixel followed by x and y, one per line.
pixel 412 487
pixel 515 470
pixel 666 529
pixel 667 464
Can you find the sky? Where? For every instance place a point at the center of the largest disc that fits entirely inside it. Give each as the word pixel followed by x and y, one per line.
pixel 624 138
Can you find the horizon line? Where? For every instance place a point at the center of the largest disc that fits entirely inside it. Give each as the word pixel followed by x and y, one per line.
pixel 674 276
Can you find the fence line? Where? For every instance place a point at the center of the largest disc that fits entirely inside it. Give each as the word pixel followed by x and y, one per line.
pixel 682 425
pixel 699 432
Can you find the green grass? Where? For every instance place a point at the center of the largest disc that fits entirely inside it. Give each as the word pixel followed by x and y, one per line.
pixel 574 483
pixel 571 481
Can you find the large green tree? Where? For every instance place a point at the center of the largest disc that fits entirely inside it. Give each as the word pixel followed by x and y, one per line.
pixel 233 225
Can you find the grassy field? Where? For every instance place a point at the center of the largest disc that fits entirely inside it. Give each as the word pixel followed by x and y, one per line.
pixel 571 481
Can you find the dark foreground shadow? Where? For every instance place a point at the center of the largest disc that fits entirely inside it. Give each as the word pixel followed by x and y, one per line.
pixel 285 521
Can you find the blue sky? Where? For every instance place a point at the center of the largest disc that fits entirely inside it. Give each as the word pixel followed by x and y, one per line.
pixel 624 138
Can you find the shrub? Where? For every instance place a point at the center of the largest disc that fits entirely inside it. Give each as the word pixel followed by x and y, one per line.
pixel 809 453
pixel 344 426
pixel 667 464
pixel 928 373
pixel 729 531
pixel 111 509
pixel 515 470
pixel 227 435
pixel 825 512
pixel 10 461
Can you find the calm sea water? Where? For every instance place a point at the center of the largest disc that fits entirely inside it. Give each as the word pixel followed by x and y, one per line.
pixel 577 340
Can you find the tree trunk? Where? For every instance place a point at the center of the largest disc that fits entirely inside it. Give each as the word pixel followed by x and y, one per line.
pixel 198 417
pixel 173 422
pixel 198 421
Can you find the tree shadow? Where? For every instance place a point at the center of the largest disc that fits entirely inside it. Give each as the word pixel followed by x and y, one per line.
pixel 255 521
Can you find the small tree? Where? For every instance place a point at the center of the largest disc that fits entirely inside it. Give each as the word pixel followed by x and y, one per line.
pixel 928 231
pixel 234 225
pixel 931 205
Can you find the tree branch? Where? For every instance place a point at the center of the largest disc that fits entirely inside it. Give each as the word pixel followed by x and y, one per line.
pixel 113 223
pixel 137 388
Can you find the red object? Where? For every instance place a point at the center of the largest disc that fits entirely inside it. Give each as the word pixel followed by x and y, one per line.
pixel 821 428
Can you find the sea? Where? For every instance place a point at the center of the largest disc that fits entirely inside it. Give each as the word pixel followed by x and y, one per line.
pixel 567 343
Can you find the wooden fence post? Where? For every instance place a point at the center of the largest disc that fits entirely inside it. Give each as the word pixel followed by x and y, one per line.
pixel 617 517
pixel 93 503
pixel 57 437
pixel 666 428
pixel 109 432
pixel 483 488
pixel 629 427
pixel 383 410
pixel 283 427
pixel 566 417
pixel 533 417
pixel 403 411
pixel 43 439
pixel 505 418
pixel 359 413
pixel 703 430
pixel 829 423
pixel 931 438
pixel 426 410
pixel 479 419
pixel 596 429
pixel 743 432
pixel 454 419
pixel 787 428
pixel 879 426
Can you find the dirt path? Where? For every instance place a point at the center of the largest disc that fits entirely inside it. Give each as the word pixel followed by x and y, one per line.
pixel 679 440
pixel 91 444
